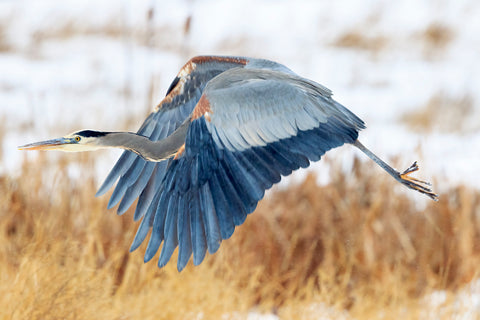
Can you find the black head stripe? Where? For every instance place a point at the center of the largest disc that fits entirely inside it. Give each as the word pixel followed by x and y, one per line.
pixel 91 133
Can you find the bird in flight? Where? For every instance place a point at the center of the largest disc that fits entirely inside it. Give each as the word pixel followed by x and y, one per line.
pixel 226 131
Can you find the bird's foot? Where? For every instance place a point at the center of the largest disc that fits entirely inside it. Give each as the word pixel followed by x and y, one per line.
pixel 415 184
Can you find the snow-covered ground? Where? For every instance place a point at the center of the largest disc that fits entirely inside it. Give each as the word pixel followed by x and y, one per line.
pixel 68 65
pixel 465 305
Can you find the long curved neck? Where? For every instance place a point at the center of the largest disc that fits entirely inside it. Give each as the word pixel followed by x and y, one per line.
pixel 147 149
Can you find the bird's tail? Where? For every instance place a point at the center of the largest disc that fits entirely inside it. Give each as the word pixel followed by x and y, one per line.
pixel 404 177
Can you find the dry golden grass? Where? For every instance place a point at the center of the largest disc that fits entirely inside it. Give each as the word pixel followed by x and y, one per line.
pixel 72 28
pixel 438 35
pixel 356 244
pixel 357 40
pixel 162 36
pixel 4 42
pixel 445 114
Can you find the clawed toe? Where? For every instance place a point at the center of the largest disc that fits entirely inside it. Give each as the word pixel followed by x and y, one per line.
pixel 416 184
pixel 404 177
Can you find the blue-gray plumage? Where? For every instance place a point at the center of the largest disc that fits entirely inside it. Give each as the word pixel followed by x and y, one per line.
pixel 227 130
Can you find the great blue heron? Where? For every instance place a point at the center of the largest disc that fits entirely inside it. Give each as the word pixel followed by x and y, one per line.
pixel 227 130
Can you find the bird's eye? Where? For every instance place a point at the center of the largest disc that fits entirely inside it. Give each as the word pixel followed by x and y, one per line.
pixel 77 138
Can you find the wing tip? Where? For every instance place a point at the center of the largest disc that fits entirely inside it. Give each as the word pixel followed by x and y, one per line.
pixel 198 259
pixel 106 185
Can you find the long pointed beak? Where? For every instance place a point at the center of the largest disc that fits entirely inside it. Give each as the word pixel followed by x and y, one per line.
pixel 46 145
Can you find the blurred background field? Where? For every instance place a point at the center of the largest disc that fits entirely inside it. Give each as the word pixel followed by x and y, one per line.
pixel 351 249
pixel 337 241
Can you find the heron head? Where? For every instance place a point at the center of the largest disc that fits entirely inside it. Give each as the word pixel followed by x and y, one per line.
pixel 85 140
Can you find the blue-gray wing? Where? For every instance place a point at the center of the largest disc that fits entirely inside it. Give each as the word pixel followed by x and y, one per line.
pixel 141 179
pixel 248 129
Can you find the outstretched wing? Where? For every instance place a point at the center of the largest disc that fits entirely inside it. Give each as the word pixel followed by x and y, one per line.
pixel 139 178
pixel 248 129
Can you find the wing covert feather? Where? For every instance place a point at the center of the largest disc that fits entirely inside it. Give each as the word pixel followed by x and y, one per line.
pixel 268 106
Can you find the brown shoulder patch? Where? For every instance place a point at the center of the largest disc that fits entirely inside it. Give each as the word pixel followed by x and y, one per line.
pixel 183 75
pixel 202 108
pixel 203 59
pixel 177 90
pixel 188 68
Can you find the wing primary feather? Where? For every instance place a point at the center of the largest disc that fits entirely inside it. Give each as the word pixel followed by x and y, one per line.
pixel 207 163
pixel 193 174
pixel 301 145
pixel 145 224
pixel 235 203
pixel 122 165
pixel 184 235
pixel 182 182
pixel 225 217
pixel 263 168
pixel 197 230
pixel 135 189
pixel 171 238
pixel 296 160
pixel 258 180
pixel 126 181
pixel 247 189
pixel 158 227
pixel 150 190
pixel 212 229
pixel 271 158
